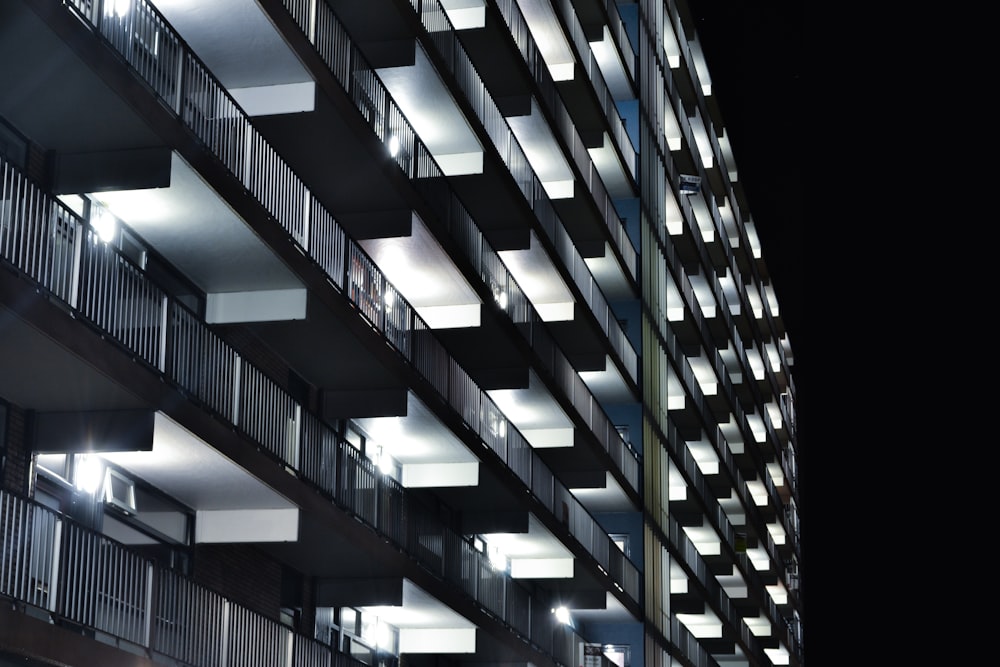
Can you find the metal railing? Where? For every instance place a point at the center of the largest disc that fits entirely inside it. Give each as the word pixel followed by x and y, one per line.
pixel 214 374
pixel 449 47
pixel 345 62
pixel 206 107
pixel 349 68
pixel 594 73
pixel 77 575
pixel 203 104
pixel 522 37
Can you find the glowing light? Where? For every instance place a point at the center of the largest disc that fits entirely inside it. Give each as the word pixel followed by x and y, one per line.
pixel 384 461
pixel 393 145
pixel 497 558
pixel 89 473
pixel 104 224
pixel 117 7
pixel 562 615
pixel 501 298
pixel 383 638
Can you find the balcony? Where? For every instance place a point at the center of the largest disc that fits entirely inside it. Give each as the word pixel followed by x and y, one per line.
pixel 60 572
pixel 166 338
pixel 285 198
pixel 507 200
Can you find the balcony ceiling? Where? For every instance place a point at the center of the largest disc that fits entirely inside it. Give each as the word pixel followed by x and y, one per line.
pixel 196 231
pixel 540 281
pixel 196 474
pixel 419 610
pixel 418 437
pixel 537 542
pixel 42 82
pixel 40 374
pixel 532 408
pixel 432 111
pixel 236 40
pixel 420 269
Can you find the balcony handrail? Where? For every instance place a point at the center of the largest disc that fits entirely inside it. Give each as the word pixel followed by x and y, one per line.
pixel 115 296
pixel 50 562
pixel 205 106
pixel 719 224
pixel 434 18
pixel 668 337
pixel 525 43
pixel 680 453
pixel 586 54
pixel 329 38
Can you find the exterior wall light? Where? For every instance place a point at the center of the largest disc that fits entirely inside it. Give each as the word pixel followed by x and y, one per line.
pixel 103 223
pixel 384 461
pixel 562 615
pixel 117 7
pixel 498 559
pixel 89 474
pixel 393 145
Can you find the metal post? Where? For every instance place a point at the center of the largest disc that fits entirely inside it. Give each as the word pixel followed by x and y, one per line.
pixel 56 557
pixel 150 606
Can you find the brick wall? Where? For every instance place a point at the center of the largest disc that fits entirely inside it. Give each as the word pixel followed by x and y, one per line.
pixel 241 573
pixel 251 348
pixel 14 476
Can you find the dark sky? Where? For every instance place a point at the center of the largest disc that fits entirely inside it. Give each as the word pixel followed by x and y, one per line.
pixel 753 49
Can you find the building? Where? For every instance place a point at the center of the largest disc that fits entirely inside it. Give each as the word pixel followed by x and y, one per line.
pixel 399 333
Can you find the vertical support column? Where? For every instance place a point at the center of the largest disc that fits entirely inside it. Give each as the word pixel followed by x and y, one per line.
pixel 164 332
pixel 150 606
pixel 311 30
pixel 237 385
pixel 247 176
pixel 224 635
pixel 289 645
pixel 178 101
pixel 74 287
pixel 295 438
pixel 307 221
pixel 56 557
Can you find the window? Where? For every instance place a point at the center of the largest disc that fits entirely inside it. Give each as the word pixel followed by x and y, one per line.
pixel 154 524
pixel 621 541
pixel 617 653
pixel 119 491
pixel 119 506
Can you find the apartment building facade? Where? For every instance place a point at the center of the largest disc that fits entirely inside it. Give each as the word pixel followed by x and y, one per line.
pixel 394 332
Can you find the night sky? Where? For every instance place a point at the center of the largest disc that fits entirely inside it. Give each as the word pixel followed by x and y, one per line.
pixel 753 49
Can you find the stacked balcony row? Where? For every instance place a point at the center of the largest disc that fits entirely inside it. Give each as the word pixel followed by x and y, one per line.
pixel 286 204
pixel 74 575
pixel 348 66
pixel 51 245
pixel 113 294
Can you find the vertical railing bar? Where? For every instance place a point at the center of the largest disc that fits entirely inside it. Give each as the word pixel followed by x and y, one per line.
pixel 149 628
